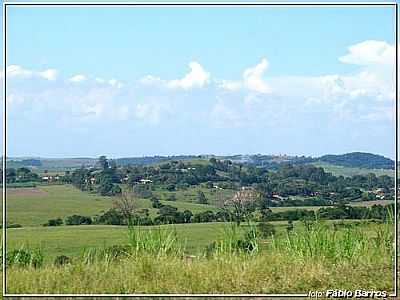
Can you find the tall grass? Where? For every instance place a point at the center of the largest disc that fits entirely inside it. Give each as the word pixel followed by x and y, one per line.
pixel 156 241
pixel 24 257
pixel 312 257
pixel 351 244
pixel 235 240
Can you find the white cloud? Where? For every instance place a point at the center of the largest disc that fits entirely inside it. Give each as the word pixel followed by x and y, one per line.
pixel 50 74
pixel 370 52
pixel 150 80
pixel 78 78
pixel 252 78
pixel 196 78
pixel 230 85
pixel 18 71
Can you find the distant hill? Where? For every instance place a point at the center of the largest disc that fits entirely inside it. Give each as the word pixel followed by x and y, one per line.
pixel 359 160
pixel 147 160
pixel 272 162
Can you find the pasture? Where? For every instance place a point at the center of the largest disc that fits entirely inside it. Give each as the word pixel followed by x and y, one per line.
pixel 35 206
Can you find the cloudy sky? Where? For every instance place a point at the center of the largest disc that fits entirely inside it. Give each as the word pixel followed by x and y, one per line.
pixel 187 80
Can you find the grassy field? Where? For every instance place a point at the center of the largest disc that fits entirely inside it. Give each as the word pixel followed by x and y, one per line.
pixel 214 196
pixel 35 206
pixel 71 240
pixel 314 259
pixel 347 171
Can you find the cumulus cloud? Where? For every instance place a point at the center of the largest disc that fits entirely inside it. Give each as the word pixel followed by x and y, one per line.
pixel 16 71
pixel 252 80
pixel 370 52
pixel 197 77
pixel 50 74
pixel 366 94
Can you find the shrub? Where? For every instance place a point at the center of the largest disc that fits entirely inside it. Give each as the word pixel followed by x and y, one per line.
pixel 54 222
pixel 24 258
pixel 62 260
pixel 78 220
pixel 205 216
pixel 111 217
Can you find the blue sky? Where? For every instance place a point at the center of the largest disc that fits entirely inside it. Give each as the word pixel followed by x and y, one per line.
pixel 178 80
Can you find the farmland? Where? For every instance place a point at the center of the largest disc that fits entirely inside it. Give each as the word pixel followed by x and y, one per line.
pixel 187 203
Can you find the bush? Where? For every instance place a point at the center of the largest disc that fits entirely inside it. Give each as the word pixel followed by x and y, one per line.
pixel 266 229
pixel 25 258
pixel 78 220
pixel 54 222
pixel 111 217
pixel 62 260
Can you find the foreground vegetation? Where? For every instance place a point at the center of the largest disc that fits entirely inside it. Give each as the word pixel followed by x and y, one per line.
pixel 319 256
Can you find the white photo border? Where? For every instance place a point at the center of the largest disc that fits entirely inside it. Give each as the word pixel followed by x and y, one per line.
pixel 181 4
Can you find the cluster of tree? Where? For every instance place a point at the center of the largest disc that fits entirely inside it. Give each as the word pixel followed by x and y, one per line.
pixel 20 175
pixel 103 179
pixel 308 181
pixel 331 213
pixel 312 201
pixel 70 220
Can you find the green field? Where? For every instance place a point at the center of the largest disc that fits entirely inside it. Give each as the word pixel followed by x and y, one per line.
pixel 71 240
pixel 29 208
pixel 348 171
pixel 359 257
pixel 34 207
